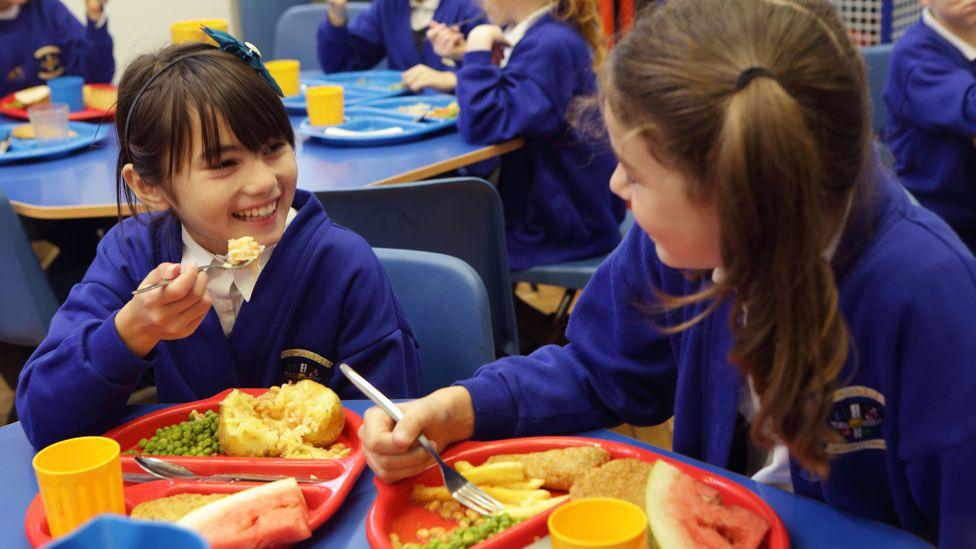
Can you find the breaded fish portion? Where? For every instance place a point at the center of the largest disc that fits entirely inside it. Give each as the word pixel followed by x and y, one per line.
pixel 559 468
pixel 624 479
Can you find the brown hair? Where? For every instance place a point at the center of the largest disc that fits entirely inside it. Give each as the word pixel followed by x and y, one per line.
pixel 585 15
pixel 780 156
pixel 206 83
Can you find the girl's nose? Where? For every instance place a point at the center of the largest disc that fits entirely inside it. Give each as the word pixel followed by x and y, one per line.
pixel 262 178
pixel 618 183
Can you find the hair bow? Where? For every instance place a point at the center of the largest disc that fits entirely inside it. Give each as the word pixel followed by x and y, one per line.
pixel 246 52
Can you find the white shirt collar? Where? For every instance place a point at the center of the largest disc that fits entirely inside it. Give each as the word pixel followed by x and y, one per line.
pixel 968 50
pixel 10 13
pixel 220 280
pixel 516 33
pixel 422 13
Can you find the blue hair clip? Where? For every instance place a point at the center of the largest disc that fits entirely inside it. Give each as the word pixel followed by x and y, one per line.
pixel 246 52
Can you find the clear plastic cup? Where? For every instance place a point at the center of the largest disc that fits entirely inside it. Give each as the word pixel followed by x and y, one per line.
pixel 50 120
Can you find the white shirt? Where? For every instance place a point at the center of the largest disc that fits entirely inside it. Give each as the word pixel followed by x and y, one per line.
pixel 229 289
pixel 422 13
pixel 515 33
pixel 10 13
pixel 967 49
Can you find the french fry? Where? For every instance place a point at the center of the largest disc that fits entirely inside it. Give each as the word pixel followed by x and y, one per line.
pixel 462 466
pixel 518 497
pixel 496 473
pixel 521 512
pixel 530 484
pixel 424 494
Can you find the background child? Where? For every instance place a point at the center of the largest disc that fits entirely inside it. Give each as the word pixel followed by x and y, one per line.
pixel 41 40
pixel 396 30
pixel 775 277
pixel 931 99
pixel 206 142
pixel 554 189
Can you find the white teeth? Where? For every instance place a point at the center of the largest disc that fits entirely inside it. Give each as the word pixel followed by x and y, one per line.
pixel 263 211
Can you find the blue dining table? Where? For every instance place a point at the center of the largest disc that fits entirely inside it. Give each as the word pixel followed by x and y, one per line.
pixel 82 185
pixel 810 524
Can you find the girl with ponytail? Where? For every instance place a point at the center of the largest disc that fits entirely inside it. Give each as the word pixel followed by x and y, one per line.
pixel 780 294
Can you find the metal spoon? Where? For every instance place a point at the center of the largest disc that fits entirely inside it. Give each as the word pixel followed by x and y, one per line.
pixel 222 267
pixel 160 468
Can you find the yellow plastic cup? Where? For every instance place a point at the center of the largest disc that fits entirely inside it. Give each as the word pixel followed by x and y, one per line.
pixel 324 105
pixel 79 478
pixel 604 523
pixel 189 30
pixel 285 72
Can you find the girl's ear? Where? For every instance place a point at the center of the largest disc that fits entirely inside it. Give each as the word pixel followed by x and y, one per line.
pixel 150 195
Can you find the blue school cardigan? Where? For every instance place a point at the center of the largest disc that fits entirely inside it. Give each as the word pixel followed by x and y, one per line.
pixel 323 298
pixel 904 413
pixel 45 41
pixel 931 124
pixel 555 190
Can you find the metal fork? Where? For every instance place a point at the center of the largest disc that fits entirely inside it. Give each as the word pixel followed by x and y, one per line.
pixel 461 489
pixel 5 142
pixel 224 267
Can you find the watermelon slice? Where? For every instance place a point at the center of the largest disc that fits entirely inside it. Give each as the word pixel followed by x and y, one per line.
pixel 265 516
pixel 686 513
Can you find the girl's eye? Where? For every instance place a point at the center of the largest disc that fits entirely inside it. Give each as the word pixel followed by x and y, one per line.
pixel 274 147
pixel 224 164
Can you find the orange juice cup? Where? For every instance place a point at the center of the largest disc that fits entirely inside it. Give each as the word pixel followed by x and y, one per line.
pixel 285 72
pixel 79 478
pixel 324 105
pixel 604 523
pixel 189 30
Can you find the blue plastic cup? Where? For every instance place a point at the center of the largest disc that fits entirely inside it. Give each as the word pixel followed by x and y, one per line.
pixel 68 90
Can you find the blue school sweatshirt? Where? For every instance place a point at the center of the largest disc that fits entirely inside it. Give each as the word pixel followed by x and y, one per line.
pixel 45 41
pixel 556 189
pixel 904 413
pixel 323 298
pixel 384 30
pixel 931 124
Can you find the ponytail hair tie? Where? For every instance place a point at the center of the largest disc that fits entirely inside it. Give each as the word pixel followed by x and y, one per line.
pixel 747 75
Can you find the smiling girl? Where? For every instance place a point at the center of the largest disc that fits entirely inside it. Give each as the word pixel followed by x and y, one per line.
pixel 207 146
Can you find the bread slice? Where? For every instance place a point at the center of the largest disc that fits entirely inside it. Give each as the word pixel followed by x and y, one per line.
pixel 32 96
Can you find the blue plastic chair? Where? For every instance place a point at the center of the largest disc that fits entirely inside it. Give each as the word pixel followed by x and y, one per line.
pixel 28 301
pixel 257 21
pixel 447 306
pixel 124 533
pixel 571 275
pixel 294 35
pixel 461 217
pixel 877 59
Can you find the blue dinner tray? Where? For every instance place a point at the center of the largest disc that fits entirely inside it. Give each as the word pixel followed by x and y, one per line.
pixel 394 105
pixel 358 86
pixel 366 119
pixel 36 149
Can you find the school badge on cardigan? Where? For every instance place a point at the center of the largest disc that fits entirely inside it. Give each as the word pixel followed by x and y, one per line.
pixel 299 364
pixel 858 416
pixel 49 62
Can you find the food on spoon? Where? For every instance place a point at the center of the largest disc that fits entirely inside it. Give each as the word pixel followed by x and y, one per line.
pixel 268 515
pixel 621 478
pixel 100 98
pixel 242 250
pixel 197 436
pixel 686 513
pixel 293 421
pixel 559 468
pixel 173 508
pixel 29 97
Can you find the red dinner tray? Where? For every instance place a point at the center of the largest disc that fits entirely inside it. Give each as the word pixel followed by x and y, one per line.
pixel 392 513
pixel 338 475
pixel 85 115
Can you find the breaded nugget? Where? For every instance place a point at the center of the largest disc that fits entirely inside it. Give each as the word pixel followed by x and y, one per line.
pixel 559 468
pixel 624 479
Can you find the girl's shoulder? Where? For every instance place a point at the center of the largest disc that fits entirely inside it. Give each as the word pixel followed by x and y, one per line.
pixel 550 31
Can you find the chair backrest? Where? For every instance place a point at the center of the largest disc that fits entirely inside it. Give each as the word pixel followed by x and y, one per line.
pixel 461 217
pixel 28 302
pixel 447 306
pixel 295 32
pixel 877 58
pixel 258 19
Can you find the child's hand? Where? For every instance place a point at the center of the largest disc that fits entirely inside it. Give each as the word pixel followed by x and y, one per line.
pixel 447 41
pixel 338 12
pixel 484 38
pixel 171 312
pixel 392 452
pixel 95 8
pixel 419 77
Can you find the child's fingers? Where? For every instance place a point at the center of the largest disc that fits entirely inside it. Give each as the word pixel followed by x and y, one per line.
pixel 193 297
pixel 180 287
pixel 163 271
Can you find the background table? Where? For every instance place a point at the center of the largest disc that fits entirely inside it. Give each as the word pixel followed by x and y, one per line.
pixel 810 523
pixel 82 185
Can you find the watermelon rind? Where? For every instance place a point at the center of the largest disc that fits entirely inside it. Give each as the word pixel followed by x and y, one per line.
pixel 666 531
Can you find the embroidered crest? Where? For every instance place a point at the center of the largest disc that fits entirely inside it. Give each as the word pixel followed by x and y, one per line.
pixel 49 59
pixel 299 364
pixel 858 416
